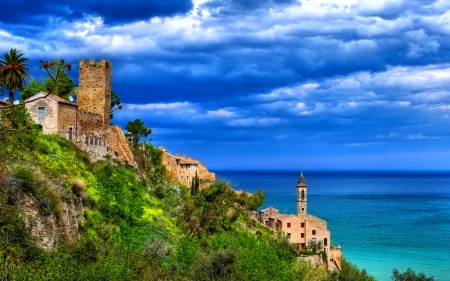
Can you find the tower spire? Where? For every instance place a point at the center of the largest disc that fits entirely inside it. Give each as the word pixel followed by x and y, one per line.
pixel 301 195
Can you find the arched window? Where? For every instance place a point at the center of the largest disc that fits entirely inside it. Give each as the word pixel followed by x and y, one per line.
pixel 70 133
pixel 303 194
pixel 325 242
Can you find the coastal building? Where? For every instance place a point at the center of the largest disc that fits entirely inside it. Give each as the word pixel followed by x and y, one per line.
pixel 302 227
pixel 85 122
pixel 182 169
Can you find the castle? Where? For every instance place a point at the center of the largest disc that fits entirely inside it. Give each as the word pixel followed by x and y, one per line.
pixel 182 169
pixel 303 227
pixel 85 122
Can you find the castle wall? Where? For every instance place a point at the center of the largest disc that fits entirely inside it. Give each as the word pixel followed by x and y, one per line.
pixel 117 144
pixel 94 89
pixel 89 122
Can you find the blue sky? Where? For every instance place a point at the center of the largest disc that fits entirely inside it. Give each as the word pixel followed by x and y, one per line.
pixel 264 84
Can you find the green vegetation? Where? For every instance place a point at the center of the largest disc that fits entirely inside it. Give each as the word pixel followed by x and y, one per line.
pixel 116 103
pixel 137 130
pixel 409 275
pixel 14 72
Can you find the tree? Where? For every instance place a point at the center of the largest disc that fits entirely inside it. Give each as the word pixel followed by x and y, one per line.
pixel 314 245
pixel 195 186
pixel 137 130
pixel 409 275
pixel 115 104
pixel 31 89
pixel 14 72
pixel 59 82
pixel 63 87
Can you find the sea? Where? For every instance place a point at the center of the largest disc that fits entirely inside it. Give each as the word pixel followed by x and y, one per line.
pixel 381 219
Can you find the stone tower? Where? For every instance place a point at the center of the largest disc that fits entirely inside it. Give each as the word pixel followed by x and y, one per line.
pixel 94 89
pixel 301 196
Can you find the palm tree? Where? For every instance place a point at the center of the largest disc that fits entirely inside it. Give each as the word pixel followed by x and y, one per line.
pixel 14 72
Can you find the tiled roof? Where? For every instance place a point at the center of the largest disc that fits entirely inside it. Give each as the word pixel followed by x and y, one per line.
pixel 3 103
pixel 270 209
pixel 61 100
pixel 51 96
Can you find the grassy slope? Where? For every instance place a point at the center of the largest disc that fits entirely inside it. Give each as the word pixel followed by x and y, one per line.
pixel 130 230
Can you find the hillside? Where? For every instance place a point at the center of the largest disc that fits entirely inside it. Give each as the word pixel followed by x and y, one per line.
pixel 64 218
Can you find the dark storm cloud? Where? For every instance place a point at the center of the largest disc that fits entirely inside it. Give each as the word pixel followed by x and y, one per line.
pixel 287 77
pixel 113 12
pixel 242 6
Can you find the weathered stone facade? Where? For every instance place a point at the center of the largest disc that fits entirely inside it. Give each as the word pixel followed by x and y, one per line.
pixel 182 169
pixel 302 228
pixel 87 122
pixel 94 89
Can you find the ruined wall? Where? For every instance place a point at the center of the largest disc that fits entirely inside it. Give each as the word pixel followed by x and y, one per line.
pixel 94 89
pixel 89 122
pixel 118 144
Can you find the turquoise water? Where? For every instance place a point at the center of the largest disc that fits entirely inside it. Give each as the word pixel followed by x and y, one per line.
pixel 383 220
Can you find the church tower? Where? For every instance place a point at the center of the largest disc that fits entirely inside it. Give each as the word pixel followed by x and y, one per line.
pixel 301 196
pixel 94 89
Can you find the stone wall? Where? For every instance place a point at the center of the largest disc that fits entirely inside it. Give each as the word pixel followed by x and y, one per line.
pixel 118 144
pixel 94 89
pixel 67 117
pixel 89 122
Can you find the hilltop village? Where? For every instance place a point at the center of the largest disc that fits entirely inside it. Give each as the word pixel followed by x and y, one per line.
pixel 86 122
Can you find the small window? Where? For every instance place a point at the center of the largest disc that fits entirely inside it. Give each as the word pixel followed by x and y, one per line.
pixel 303 224
pixel 313 232
pixel 267 215
pixel 313 239
pixel 70 133
pixel 302 235
pixel 41 112
pixel 289 235
pixel 289 225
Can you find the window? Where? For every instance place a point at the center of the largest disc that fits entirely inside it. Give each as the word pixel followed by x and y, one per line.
pixel 313 232
pixel 313 239
pixel 289 235
pixel 303 224
pixel 70 133
pixel 41 112
pixel 289 225
pixel 302 235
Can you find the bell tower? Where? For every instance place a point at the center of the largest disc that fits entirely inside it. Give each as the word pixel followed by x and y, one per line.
pixel 301 196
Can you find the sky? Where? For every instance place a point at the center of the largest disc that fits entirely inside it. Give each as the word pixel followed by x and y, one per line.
pixel 263 84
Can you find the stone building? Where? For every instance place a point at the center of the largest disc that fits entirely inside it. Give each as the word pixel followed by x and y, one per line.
pixel 182 169
pixel 303 227
pixel 85 122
